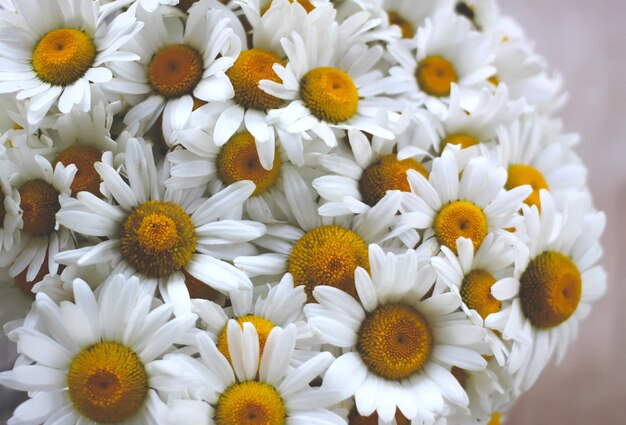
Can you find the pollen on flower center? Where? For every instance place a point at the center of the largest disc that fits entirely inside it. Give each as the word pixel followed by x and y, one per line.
pixel 460 219
pixel 62 56
pixel 521 174
pixel 39 202
pixel 328 255
pixel 250 403
pixel 107 383
pixel 251 67
pixel 330 94
pixel 476 293
pixel 387 174
pixel 263 328
pixel 550 289
pixel 239 160
pixel 395 341
pixel 434 75
pixel 460 139
pixel 158 238
pixel 84 157
pixel 175 70
pixel 306 4
pixel 355 419
pixel 407 29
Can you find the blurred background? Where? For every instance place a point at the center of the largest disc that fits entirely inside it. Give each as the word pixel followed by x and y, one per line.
pixel 586 41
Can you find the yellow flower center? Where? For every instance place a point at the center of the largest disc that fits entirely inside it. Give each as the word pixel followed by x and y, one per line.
pixel 460 219
pixel 39 202
pixel 462 140
pixel 328 255
pixel 494 80
pixel 355 419
pixel 84 157
pixel 175 70
pixel 107 383
pixel 395 341
pixel 250 403
pixel 521 174
pixel 330 94
pixel 239 160
pixel 304 3
pixel 550 289
pixel 261 324
pixel 476 293
pixel 387 174
pixel 158 238
pixel 63 56
pixel 198 289
pixel 251 67
pixel 405 26
pixel 495 419
pixel 435 75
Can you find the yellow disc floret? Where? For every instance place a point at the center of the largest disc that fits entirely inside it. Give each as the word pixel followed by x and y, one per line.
pixel 239 160
pixel 550 289
pixel 158 238
pixel 261 324
pixel 251 67
pixel 476 293
pixel 175 70
pixel 250 403
pixel 521 174
pixel 406 28
pixel 330 94
pixel 62 56
pixel 306 4
pixel 460 139
pixel 39 202
pixel 107 383
pixel 84 157
pixel 395 341
pixel 387 174
pixel 460 219
pixel 495 419
pixel 328 255
pixel 434 75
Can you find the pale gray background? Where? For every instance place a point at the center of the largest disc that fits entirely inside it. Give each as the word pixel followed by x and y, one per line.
pixel 586 41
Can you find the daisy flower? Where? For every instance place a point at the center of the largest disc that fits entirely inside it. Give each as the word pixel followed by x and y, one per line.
pixel 181 66
pixel 96 365
pixel 54 53
pixel 557 282
pixel 400 344
pixel 472 206
pixel 474 275
pixel 447 51
pixel 164 237
pixel 36 186
pixel 320 250
pixel 536 153
pixel 330 86
pixel 213 390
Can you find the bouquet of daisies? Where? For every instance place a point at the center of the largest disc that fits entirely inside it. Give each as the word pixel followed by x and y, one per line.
pixel 267 212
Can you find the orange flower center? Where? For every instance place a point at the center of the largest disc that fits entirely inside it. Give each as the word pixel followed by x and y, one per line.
pixel 521 174
pixel 330 94
pixel 39 202
pixel 435 75
pixel 250 403
pixel 407 29
pixel 460 219
pixel 175 70
pixel 476 293
pixel 84 157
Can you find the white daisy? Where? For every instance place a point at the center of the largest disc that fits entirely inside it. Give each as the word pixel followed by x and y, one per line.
pixel 537 153
pixel 39 186
pixel 472 206
pixel 557 283
pixel 95 367
pixel 406 15
pixel 54 53
pixel 320 250
pixel 158 234
pixel 447 51
pixel 330 87
pixel 181 65
pixel 474 275
pixel 401 343
pixel 215 390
